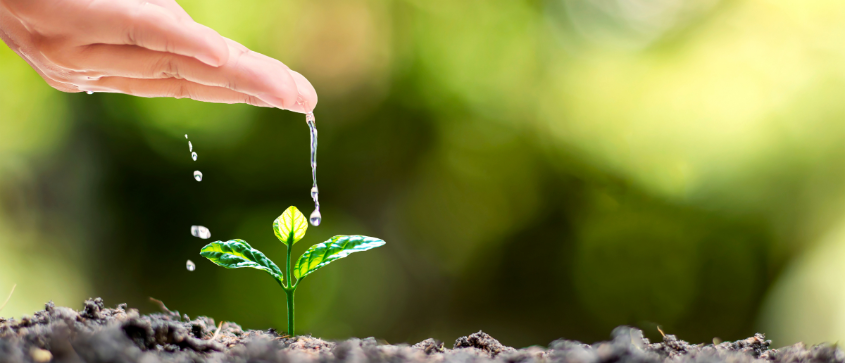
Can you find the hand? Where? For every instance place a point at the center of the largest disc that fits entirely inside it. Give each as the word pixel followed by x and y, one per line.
pixel 145 48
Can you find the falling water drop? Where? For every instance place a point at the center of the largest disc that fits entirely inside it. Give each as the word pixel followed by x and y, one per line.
pixel 89 92
pixel 201 232
pixel 196 231
pixel 316 218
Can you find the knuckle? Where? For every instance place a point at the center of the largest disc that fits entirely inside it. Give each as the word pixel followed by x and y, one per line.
pixel 237 55
pixel 166 67
pixel 252 100
pixel 135 19
pixel 233 79
pixel 131 36
pixel 231 83
pixel 181 90
pixel 147 22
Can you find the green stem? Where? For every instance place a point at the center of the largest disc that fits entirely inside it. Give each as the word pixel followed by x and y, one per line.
pixel 289 294
pixel 289 290
pixel 290 282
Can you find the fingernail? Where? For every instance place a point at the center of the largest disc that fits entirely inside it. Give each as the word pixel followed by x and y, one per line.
pixel 276 102
pixel 209 59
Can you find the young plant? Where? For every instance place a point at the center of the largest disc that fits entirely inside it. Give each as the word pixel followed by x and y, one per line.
pixel 290 227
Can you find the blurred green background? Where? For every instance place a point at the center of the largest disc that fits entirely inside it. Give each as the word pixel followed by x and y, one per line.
pixel 539 169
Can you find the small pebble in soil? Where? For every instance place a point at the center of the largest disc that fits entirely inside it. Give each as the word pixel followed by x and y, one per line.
pixel 201 232
pixel 40 355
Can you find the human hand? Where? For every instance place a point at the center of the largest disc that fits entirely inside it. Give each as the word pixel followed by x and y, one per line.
pixel 145 48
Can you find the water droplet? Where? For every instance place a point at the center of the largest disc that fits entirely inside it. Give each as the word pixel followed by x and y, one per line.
pixel 190 265
pixel 186 136
pixel 198 175
pixel 201 232
pixel 194 156
pixel 316 218
pixel 315 193
pixel 190 147
pixel 89 92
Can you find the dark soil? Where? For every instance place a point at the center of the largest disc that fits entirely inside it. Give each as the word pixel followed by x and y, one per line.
pixel 100 334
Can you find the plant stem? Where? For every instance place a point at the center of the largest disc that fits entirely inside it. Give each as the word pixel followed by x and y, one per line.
pixel 289 294
pixel 291 288
pixel 287 270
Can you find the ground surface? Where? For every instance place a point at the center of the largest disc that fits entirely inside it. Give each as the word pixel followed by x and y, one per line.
pixel 100 334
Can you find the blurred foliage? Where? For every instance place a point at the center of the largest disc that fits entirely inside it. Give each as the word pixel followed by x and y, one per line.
pixel 539 169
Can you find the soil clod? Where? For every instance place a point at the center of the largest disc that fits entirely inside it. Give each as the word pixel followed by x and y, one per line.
pixel 482 341
pixel 430 346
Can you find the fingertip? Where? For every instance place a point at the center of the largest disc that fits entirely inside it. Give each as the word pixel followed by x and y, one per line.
pixel 307 100
pixel 283 92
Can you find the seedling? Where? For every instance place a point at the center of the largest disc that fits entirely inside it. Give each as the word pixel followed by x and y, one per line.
pixel 290 227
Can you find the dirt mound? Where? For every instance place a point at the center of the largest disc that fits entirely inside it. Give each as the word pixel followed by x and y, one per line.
pixel 100 334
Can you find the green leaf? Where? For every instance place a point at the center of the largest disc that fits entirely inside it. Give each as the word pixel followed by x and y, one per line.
pixel 334 249
pixel 237 254
pixel 290 227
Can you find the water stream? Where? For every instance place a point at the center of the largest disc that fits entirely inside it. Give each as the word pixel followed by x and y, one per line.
pixel 316 217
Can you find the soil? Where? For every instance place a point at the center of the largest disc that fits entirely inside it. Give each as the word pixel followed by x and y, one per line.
pixel 100 334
